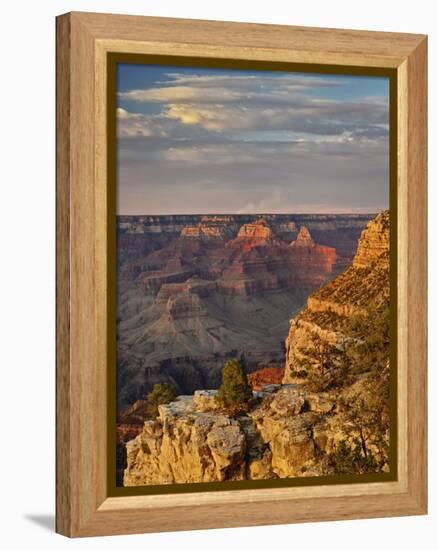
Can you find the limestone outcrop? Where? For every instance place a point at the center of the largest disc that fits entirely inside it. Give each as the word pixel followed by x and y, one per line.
pixel 194 441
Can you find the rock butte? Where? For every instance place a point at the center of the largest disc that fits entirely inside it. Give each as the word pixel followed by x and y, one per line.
pixel 304 238
pixel 259 230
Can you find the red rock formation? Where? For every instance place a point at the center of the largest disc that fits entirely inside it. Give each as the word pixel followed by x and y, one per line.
pixel 304 238
pixel 259 232
pixel 253 262
pixel 250 267
pixel 310 261
pixel 205 231
pixel 203 297
pixel 267 375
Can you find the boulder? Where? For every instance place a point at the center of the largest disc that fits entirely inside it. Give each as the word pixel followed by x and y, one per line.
pixel 287 402
pixel 205 400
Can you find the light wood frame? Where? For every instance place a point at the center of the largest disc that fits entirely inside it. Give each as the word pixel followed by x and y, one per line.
pixel 83 41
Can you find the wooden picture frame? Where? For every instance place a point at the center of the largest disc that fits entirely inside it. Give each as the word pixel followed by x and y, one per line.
pixel 84 41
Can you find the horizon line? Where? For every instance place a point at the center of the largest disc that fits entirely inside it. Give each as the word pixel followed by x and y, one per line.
pixel 261 213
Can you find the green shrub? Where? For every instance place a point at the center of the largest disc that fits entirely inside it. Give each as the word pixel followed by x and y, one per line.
pixel 235 390
pixel 161 394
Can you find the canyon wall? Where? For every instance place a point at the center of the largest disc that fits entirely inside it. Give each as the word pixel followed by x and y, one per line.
pixel 361 288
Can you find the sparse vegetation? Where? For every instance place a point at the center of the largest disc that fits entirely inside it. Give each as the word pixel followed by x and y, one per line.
pixel 299 373
pixel 367 413
pixel 330 416
pixel 161 394
pixel 349 459
pixel 328 365
pixel 369 340
pixel 364 370
pixel 356 367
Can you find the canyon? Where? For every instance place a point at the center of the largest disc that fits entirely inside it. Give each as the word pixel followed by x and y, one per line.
pixel 196 290
pixel 329 412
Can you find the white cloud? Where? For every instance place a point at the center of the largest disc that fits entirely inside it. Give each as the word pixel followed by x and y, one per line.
pixel 183 94
pixel 134 125
pixel 226 88
pixel 316 117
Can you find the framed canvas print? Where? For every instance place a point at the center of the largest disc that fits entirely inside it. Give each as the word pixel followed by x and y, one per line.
pixel 241 274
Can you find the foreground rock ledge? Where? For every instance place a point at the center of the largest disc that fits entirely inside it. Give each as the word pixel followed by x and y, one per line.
pixel 193 441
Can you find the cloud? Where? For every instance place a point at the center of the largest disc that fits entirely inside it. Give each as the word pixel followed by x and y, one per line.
pixel 182 94
pixel 292 80
pixel 198 143
pixel 234 102
pixel 266 158
pixel 180 88
pixel 314 117
pixel 130 125
pixel 256 179
pixel 139 125
pixel 214 118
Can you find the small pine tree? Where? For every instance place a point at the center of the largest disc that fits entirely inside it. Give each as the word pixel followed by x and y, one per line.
pixel 235 390
pixel 161 394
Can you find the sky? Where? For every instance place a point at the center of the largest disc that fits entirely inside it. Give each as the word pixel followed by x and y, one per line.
pixel 203 141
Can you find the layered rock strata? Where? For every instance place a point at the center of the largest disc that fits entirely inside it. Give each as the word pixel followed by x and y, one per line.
pixel 362 287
